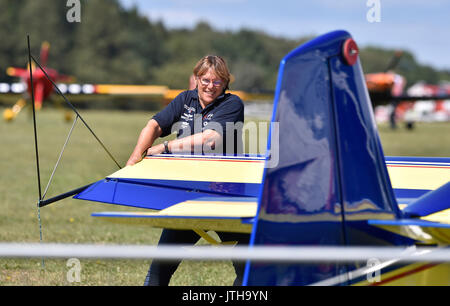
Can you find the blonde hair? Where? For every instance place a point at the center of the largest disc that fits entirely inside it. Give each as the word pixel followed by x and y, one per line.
pixel 217 64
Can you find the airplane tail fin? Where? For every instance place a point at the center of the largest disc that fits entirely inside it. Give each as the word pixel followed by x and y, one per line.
pixel 331 166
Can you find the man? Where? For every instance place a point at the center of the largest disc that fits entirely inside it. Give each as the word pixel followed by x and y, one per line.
pixel 205 120
pixel 208 104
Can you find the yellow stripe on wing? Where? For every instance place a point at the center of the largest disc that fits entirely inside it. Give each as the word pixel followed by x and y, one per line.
pixel 211 209
pixel 418 177
pixel 202 215
pixel 194 169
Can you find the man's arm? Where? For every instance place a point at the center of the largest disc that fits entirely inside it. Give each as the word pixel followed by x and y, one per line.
pixel 148 135
pixel 193 143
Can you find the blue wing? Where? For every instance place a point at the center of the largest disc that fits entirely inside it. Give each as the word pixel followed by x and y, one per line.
pixel 187 191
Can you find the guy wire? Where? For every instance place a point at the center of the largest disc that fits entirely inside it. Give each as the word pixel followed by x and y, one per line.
pixel 35 144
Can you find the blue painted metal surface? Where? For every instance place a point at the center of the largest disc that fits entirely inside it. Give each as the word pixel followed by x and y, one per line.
pixel 364 179
pixel 140 195
pixel 220 188
pixel 331 173
pixel 407 196
pixel 429 203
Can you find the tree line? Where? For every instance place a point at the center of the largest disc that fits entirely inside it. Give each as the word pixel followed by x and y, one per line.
pixel 113 44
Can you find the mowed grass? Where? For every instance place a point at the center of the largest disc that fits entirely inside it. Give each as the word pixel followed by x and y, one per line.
pixel 426 139
pixel 83 162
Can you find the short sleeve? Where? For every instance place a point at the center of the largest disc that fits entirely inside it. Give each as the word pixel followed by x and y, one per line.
pixel 170 114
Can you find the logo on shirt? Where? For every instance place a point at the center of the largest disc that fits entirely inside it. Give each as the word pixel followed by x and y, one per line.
pixel 190 109
pixel 208 117
pixel 187 115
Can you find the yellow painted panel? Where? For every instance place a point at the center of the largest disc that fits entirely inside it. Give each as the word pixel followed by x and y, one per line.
pixel 214 209
pixel 418 177
pixel 194 169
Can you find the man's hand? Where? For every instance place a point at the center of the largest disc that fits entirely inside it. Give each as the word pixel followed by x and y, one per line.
pixel 158 149
pixel 148 135
pixel 134 159
pixel 207 140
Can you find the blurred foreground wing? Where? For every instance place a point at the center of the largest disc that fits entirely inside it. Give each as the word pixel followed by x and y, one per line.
pixel 219 214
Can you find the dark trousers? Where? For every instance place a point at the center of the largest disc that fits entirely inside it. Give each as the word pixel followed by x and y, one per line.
pixel 160 272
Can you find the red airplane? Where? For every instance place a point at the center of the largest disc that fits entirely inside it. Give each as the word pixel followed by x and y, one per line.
pixel 41 85
pixel 383 86
pixel 388 87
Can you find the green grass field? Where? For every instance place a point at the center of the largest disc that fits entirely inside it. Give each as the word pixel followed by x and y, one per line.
pixel 84 161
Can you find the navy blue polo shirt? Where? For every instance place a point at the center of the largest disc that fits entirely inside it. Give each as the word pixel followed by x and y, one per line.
pixel 186 116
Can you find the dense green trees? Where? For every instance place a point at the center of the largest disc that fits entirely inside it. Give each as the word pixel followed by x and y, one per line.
pixel 116 45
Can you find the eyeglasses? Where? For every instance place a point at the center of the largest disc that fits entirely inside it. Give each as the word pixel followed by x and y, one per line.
pixel 205 82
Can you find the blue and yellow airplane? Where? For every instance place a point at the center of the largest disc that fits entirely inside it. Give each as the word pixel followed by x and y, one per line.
pixel 332 185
